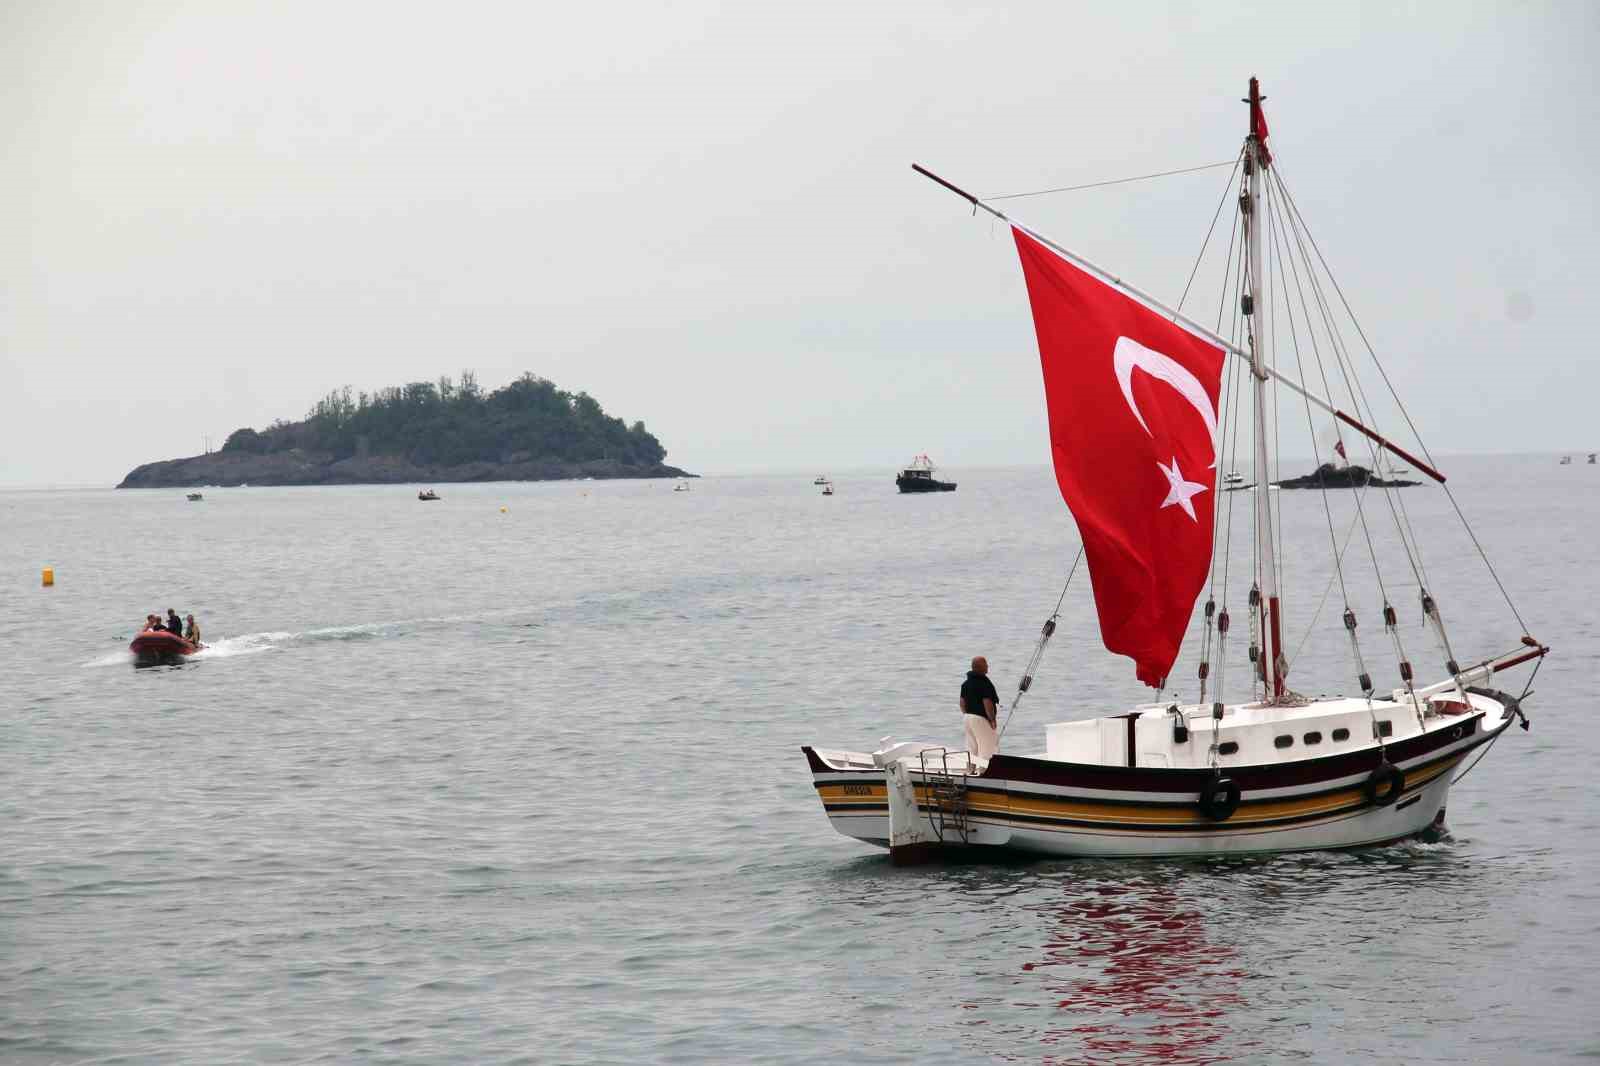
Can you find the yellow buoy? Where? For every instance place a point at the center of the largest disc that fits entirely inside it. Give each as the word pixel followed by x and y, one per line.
pixel 48 578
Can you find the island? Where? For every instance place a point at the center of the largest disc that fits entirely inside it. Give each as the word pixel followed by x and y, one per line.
pixel 427 432
pixel 1333 476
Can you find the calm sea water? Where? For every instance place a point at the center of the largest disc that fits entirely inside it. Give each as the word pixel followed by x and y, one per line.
pixel 464 785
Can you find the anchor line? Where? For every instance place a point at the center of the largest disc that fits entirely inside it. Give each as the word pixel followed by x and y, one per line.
pixel 1479 759
pixel 1517 706
pixel 1038 648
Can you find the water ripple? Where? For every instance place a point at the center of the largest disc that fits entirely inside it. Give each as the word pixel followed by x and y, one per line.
pixel 528 790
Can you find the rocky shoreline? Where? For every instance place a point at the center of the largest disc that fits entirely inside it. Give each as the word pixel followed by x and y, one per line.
pixel 294 467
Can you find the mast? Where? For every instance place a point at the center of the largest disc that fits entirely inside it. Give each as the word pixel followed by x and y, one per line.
pixel 1257 159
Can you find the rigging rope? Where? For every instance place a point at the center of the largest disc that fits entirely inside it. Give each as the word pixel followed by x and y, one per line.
pixel 1338 555
pixel 1400 517
pixel 1279 255
pixel 1316 352
pixel 1389 618
pixel 1226 189
pixel 1237 388
pixel 1038 649
pixel 1403 411
pixel 1327 507
pixel 1114 181
pixel 1358 398
pixel 1229 404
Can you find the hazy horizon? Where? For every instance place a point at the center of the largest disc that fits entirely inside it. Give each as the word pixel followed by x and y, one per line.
pixel 1290 467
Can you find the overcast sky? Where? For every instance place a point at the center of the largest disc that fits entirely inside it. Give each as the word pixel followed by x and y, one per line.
pixel 703 214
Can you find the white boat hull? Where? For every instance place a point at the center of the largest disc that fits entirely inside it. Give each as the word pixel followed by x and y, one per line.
pixel 1047 807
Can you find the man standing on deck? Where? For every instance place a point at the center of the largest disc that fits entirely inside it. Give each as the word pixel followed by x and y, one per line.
pixel 979 706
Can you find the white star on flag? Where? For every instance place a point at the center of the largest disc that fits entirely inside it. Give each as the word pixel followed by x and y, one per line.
pixel 1180 490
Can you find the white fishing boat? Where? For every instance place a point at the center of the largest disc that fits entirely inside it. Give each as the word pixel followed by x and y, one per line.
pixel 827 488
pixel 681 486
pixel 1230 760
pixel 1233 477
pixel 820 479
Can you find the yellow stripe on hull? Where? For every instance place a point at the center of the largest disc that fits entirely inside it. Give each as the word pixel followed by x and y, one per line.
pixel 839 797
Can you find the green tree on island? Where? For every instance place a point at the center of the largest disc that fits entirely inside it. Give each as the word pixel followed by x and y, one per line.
pixel 449 423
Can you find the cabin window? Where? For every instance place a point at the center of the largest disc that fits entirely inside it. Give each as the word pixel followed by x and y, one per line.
pixel 1341 734
pixel 1312 738
pixel 1228 747
pixel 1283 741
pixel 1385 728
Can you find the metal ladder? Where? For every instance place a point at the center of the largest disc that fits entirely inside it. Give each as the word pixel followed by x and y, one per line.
pixel 947 795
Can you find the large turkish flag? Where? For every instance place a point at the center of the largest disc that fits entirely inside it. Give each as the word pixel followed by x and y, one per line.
pixel 1133 428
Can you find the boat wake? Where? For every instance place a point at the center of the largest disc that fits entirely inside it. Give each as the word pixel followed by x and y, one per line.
pixel 255 643
pixel 116 658
pixel 247 644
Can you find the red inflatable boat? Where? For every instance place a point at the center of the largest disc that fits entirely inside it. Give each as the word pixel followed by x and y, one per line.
pixel 154 645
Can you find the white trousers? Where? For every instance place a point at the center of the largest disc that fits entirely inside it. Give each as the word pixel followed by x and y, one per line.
pixel 981 739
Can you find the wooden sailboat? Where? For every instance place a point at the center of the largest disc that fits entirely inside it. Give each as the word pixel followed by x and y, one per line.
pixel 1134 390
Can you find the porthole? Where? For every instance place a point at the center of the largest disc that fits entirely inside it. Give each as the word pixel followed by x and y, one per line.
pixel 1228 747
pixel 1385 728
pixel 1283 741
pixel 1341 734
pixel 1312 738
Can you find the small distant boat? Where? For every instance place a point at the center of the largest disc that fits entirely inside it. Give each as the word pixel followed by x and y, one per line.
pixel 193 496
pixel 918 477
pixel 427 495
pixel 1591 458
pixel 157 646
pixel 827 488
pixel 820 479
pixel 681 486
pixel 1566 460
pixel 1233 477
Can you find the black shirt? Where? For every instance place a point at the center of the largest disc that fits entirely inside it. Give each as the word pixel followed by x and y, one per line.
pixel 974 690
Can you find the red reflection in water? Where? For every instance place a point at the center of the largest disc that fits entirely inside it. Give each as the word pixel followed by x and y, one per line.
pixel 1133 964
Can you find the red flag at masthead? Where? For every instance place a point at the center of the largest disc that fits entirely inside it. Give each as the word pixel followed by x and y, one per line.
pixel 1258 120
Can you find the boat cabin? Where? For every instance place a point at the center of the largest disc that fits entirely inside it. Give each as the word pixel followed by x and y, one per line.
pixel 1250 734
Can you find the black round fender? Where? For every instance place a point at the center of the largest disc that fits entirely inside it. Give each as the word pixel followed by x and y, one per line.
pixel 1220 798
pixel 1384 785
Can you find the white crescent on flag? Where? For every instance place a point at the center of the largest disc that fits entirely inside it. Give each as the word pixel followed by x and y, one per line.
pixel 1129 355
